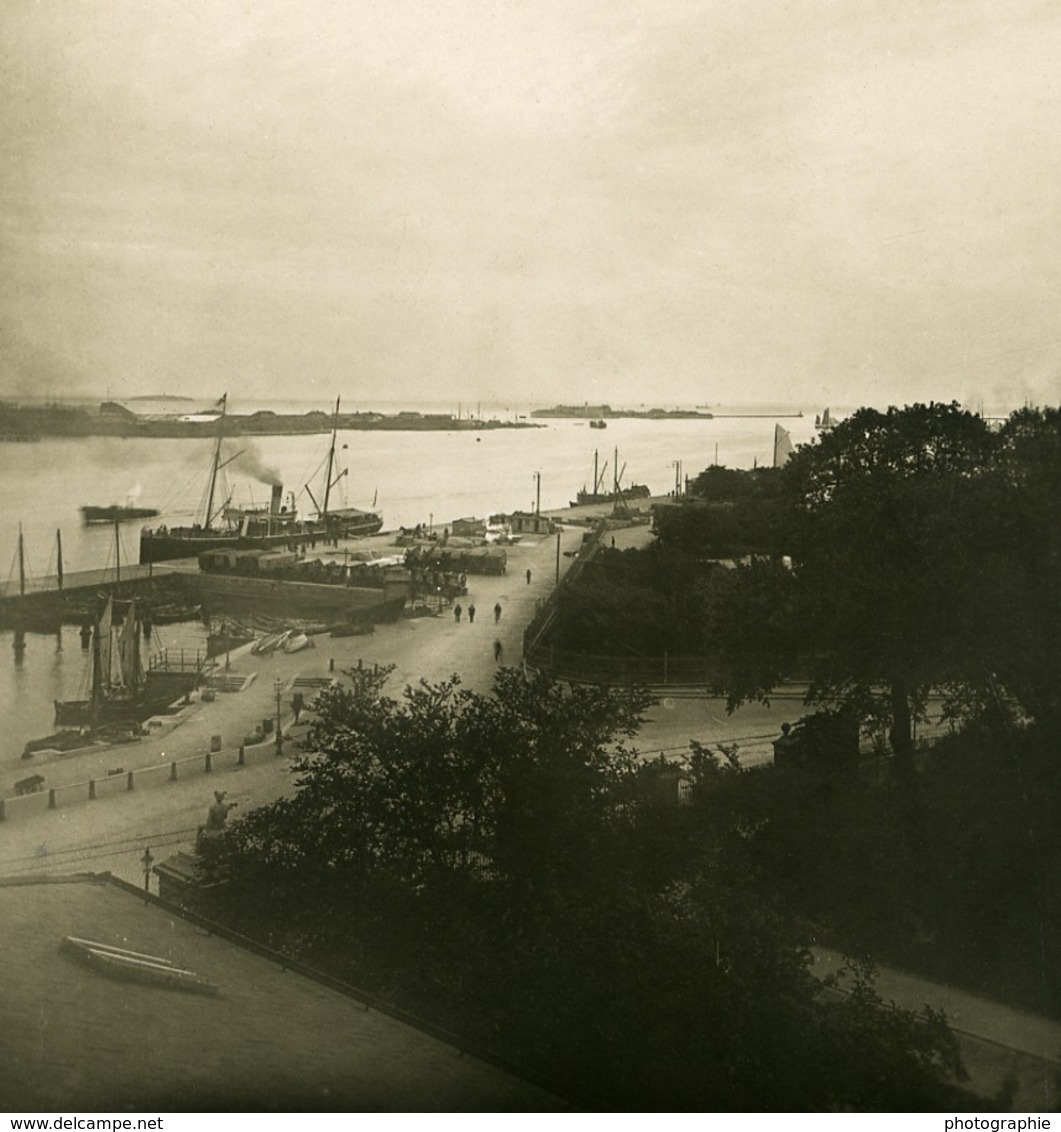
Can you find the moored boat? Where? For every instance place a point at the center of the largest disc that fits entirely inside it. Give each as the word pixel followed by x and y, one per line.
pixel 257 528
pixel 115 513
pixel 120 689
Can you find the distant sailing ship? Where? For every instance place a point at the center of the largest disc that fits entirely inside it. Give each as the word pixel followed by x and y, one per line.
pixel 617 494
pixel 262 528
pixel 824 422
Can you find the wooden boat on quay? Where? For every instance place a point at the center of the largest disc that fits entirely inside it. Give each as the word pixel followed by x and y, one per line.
pixel 277 526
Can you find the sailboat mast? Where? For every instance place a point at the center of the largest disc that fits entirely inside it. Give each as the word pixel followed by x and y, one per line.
pixel 97 674
pixel 21 564
pixel 596 477
pixel 331 462
pixel 117 558
pixel 217 463
pixel 59 556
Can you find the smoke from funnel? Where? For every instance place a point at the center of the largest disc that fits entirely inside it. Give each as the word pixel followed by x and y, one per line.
pixel 250 463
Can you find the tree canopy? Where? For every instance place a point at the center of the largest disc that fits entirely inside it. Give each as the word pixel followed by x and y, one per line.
pixel 923 549
pixel 506 865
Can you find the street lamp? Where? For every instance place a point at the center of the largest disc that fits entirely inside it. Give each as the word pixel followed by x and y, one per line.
pixel 279 685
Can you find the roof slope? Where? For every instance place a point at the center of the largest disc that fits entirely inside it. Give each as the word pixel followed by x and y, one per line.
pixel 73 1039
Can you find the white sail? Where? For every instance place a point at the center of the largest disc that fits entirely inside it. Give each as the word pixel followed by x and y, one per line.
pixel 782 446
pixel 129 646
pixel 106 643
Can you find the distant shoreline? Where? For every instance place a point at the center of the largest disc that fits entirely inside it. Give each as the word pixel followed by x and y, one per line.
pixel 22 421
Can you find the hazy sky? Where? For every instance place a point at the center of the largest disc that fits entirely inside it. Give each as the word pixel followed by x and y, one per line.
pixel 659 201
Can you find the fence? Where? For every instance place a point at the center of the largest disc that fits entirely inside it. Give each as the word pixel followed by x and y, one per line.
pixel 121 781
pixel 543 617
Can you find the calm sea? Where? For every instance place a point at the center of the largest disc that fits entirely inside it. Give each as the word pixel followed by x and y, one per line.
pixel 414 477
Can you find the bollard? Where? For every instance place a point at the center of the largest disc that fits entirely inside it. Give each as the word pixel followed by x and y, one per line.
pixel 241 759
pixel 3 815
pixel 215 743
pixel 91 789
pixel 173 772
pixel 51 799
pixel 129 781
pixel 209 762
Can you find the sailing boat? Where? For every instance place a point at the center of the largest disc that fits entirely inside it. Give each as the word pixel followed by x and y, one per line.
pixel 348 522
pixel 782 446
pixel 274 527
pixel 118 681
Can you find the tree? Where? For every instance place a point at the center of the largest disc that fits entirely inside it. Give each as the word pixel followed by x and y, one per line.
pixel 878 569
pixel 496 863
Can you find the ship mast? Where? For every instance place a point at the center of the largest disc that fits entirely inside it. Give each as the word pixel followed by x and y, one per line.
pixel 21 564
pixel 217 463
pixel 331 462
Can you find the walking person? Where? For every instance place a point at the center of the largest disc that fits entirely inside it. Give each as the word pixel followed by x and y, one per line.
pixel 471 614
pixel 497 613
pixel 528 575
pixel 497 651
pixel 457 611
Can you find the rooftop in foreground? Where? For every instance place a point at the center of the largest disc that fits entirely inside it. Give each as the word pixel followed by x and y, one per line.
pixel 75 1039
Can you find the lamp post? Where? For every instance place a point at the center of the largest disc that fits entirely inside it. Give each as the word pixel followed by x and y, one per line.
pixel 279 685
pixel 538 494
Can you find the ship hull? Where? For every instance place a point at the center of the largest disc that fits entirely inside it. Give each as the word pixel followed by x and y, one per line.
pixel 116 514
pixel 635 491
pixel 156 546
pixel 82 713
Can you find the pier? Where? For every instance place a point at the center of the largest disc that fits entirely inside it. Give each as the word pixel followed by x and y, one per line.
pixel 54 597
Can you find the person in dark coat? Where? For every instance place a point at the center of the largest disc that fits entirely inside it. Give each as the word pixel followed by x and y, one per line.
pixel 471 614
pixel 497 613
pixel 457 611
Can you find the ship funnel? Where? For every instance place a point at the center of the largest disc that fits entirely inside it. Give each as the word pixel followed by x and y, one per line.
pixel 274 506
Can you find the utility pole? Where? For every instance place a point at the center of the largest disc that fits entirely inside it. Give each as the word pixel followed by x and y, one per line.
pixel 538 494
pixel 279 734
pixel 558 533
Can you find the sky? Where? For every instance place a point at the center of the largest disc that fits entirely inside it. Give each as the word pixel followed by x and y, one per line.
pixel 634 201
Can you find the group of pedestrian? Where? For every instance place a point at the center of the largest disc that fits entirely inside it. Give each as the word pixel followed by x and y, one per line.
pixel 458 613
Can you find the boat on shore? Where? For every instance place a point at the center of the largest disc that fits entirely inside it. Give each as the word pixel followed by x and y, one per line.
pixel 266 528
pixel 115 513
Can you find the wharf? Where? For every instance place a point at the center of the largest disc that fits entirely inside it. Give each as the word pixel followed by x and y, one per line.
pixel 45 600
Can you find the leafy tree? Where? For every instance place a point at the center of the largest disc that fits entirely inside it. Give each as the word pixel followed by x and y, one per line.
pixel 496 862
pixel 876 567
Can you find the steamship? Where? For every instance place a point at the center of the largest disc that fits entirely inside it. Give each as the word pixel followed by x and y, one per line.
pixel 258 528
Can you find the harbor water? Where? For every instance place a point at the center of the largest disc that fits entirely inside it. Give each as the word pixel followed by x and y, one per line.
pixel 414 477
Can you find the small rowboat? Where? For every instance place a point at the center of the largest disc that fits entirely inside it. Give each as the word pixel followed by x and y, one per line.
pixel 296 642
